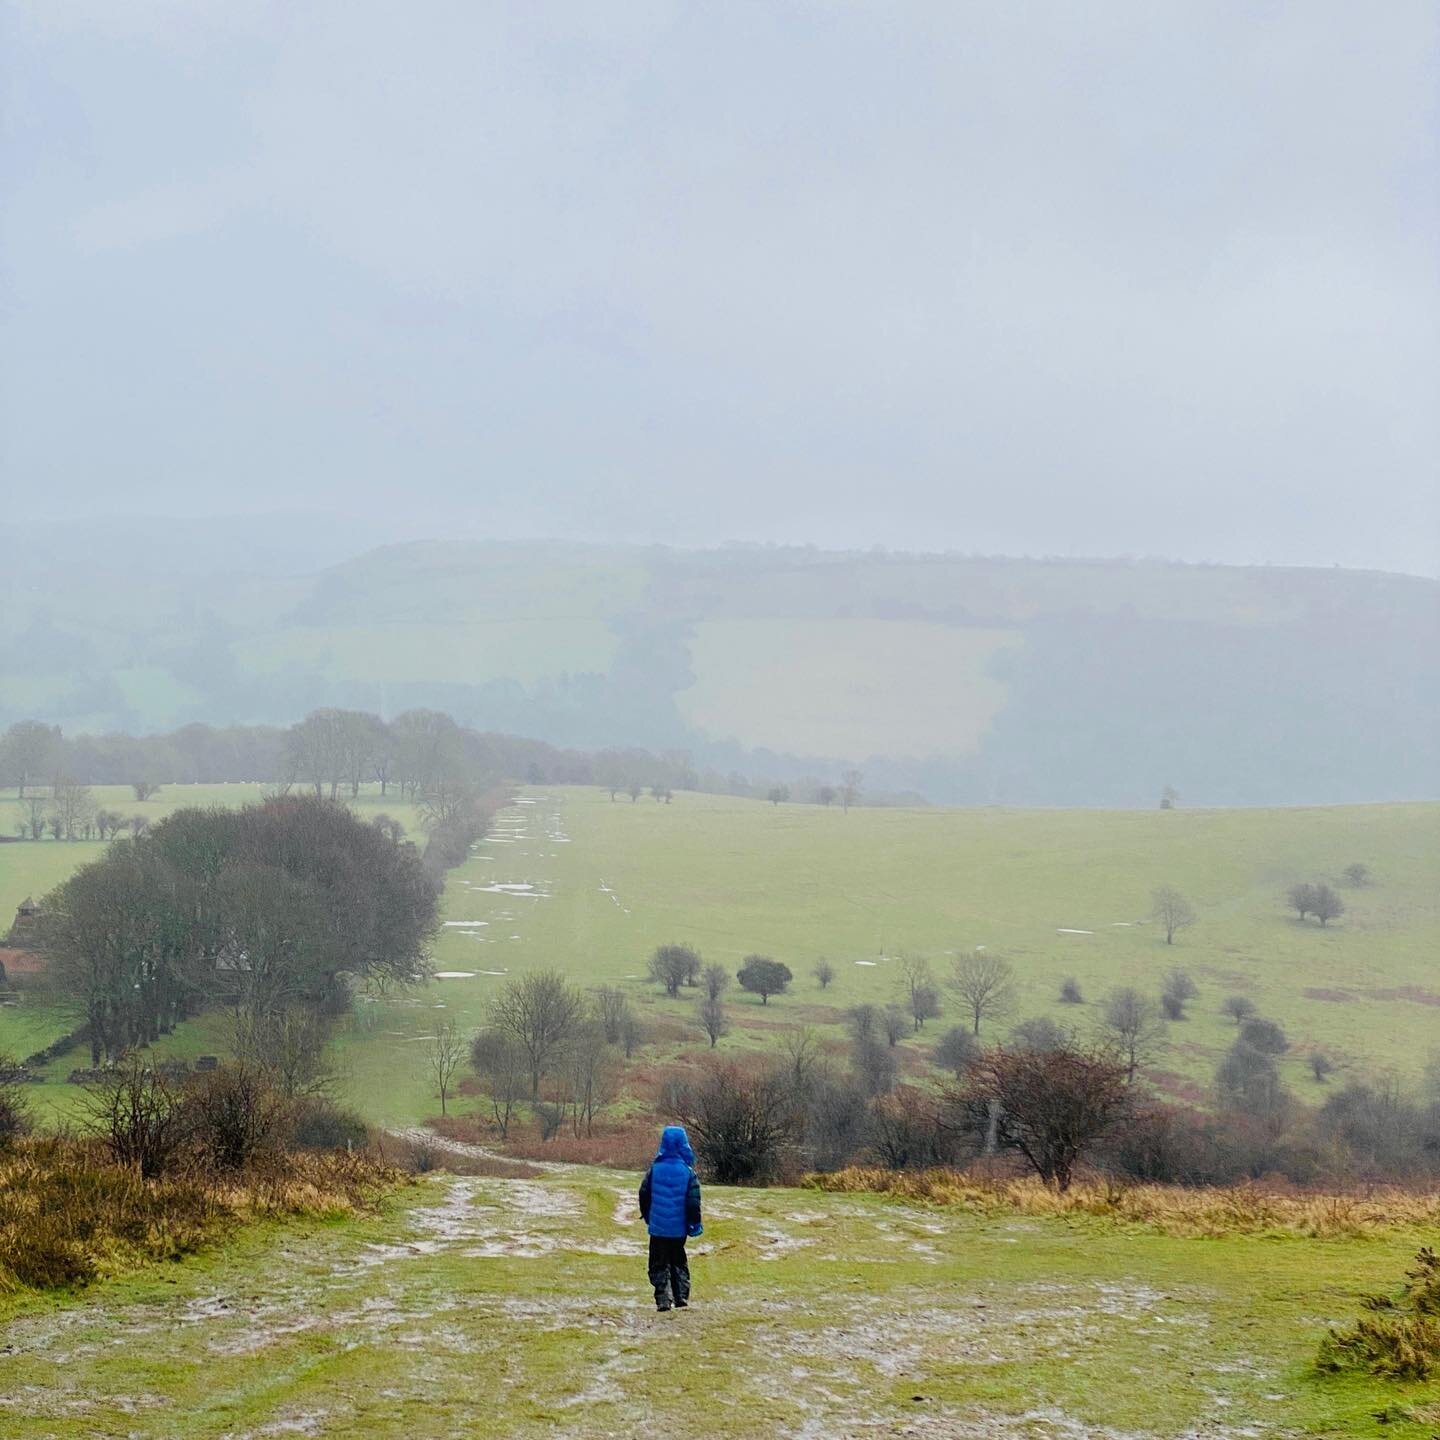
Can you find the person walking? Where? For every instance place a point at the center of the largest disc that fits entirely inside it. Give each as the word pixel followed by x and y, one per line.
pixel 670 1206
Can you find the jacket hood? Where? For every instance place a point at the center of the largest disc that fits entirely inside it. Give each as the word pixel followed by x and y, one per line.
pixel 675 1142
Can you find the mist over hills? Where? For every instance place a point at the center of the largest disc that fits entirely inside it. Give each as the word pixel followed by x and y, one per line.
pixel 967 679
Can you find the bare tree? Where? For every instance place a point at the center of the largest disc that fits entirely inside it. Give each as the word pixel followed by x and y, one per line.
pixel 741 1124
pixel 922 995
pixel 1321 1066
pixel 612 1005
pixel 632 1034
pixel 1171 911
pixel 589 1075
pixel 1357 876
pixel 825 795
pixel 287 1045
pixel 893 1024
pixel 1070 991
pixel 957 1050
pixel 850 783
pixel 145 789
pixel 1132 1021
pixel 716 980
pixel 672 965
pixel 73 807
pixel 35 813
pixel 444 1054
pixel 712 1017
pixel 500 1062
pixel 540 1012
pixel 802 1056
pixel 1051 1105
pixel 778 794
pixel 29 752
pixel 824 973
pixel 985 984
pixel 1301 898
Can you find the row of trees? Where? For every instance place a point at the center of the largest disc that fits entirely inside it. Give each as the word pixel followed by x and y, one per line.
pixel 271 909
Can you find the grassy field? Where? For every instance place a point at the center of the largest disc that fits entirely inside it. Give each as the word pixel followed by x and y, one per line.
pixel 518 1307
pixel 1059 893
pixel 611 881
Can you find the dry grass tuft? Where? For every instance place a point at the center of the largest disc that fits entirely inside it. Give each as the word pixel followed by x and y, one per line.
pixel 1172 1209
pixel 1400 1338
pixel 69 1214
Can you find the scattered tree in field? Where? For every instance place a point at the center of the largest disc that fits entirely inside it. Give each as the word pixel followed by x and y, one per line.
pixel 1265 1036
pixel 503 1068
pixel 1326 905
pixel 1321 1066
pixel 541 1012
pixel 1302 898
pixel 139 825
pixel 922 995
pixel 287 1046
pixel 612 1005
pixel 1238 1008
pixel 1041 1033
pixel 957 1050
pixel 587 1075
pixel 1178 991
pixel 1169 797
pixel 35 815
pixel 145 789
pixel 824 973
pixel 713 1021
pixel 72 809
pixel 1357 876
pixel 850 783
pixel 1132 1022
pixel 740 1123
pixel 632 1034
pixel 1051 1105
pixel 874 1063
pixel 825 795
pixel 1070 991
pixel 894 1023
pixel 778 794
pixel 636 790
pixel 444 1054
pixel 1247 1083
pixel 986 986
pixel 763 976
pixel 716 980
pixel 672 965
pixel 1171 911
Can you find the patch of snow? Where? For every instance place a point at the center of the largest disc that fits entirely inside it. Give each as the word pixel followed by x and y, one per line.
pixel 867 962
pixel 1063 931
pixel 454 974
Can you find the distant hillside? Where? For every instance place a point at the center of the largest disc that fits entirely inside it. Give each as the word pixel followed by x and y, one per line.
pixel 973 680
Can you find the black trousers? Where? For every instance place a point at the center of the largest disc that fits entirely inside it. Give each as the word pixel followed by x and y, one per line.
pixel 669 1269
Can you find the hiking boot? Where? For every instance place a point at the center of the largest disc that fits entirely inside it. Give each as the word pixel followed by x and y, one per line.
pixel 662 1306
pixel 682 1304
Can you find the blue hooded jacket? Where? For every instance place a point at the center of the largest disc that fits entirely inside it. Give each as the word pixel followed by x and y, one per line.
pixel 670 1191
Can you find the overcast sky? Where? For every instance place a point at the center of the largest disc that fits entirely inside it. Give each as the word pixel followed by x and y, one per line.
pixel 1144 278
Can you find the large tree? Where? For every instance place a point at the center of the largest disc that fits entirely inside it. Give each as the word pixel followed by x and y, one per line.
pixel 763 976
pixel 1132 1021
pixel 985 984
pixel 541 1013
pixel 1171 911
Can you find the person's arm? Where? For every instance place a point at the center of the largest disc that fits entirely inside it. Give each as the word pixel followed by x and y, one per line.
pixel 692 1201
pixel 645 1198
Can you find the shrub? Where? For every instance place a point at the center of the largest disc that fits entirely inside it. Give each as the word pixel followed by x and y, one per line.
pixel 1238 1008
pixel 957 1051
pixel 140 1116
pixel 906 1131
pixel 1070 991
pixel 1265 1036
pixel 673 965
pixel 317 1123
pixel 741 1124
pixel 15 1121
pixel 1400 1338
pixel 233 1114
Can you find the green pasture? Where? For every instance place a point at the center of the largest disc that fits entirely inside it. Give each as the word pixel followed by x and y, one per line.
pixel 611 880
pixel 491 1307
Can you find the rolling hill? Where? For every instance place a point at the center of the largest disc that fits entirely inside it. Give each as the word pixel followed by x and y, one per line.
pixel 963 679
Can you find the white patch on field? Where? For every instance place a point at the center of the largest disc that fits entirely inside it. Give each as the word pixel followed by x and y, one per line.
pixel 492 972
pixel 867 962
pixel 1063 931
pixel 514 937
pixel 1120 924
pixel 454 974
pixel 464 924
